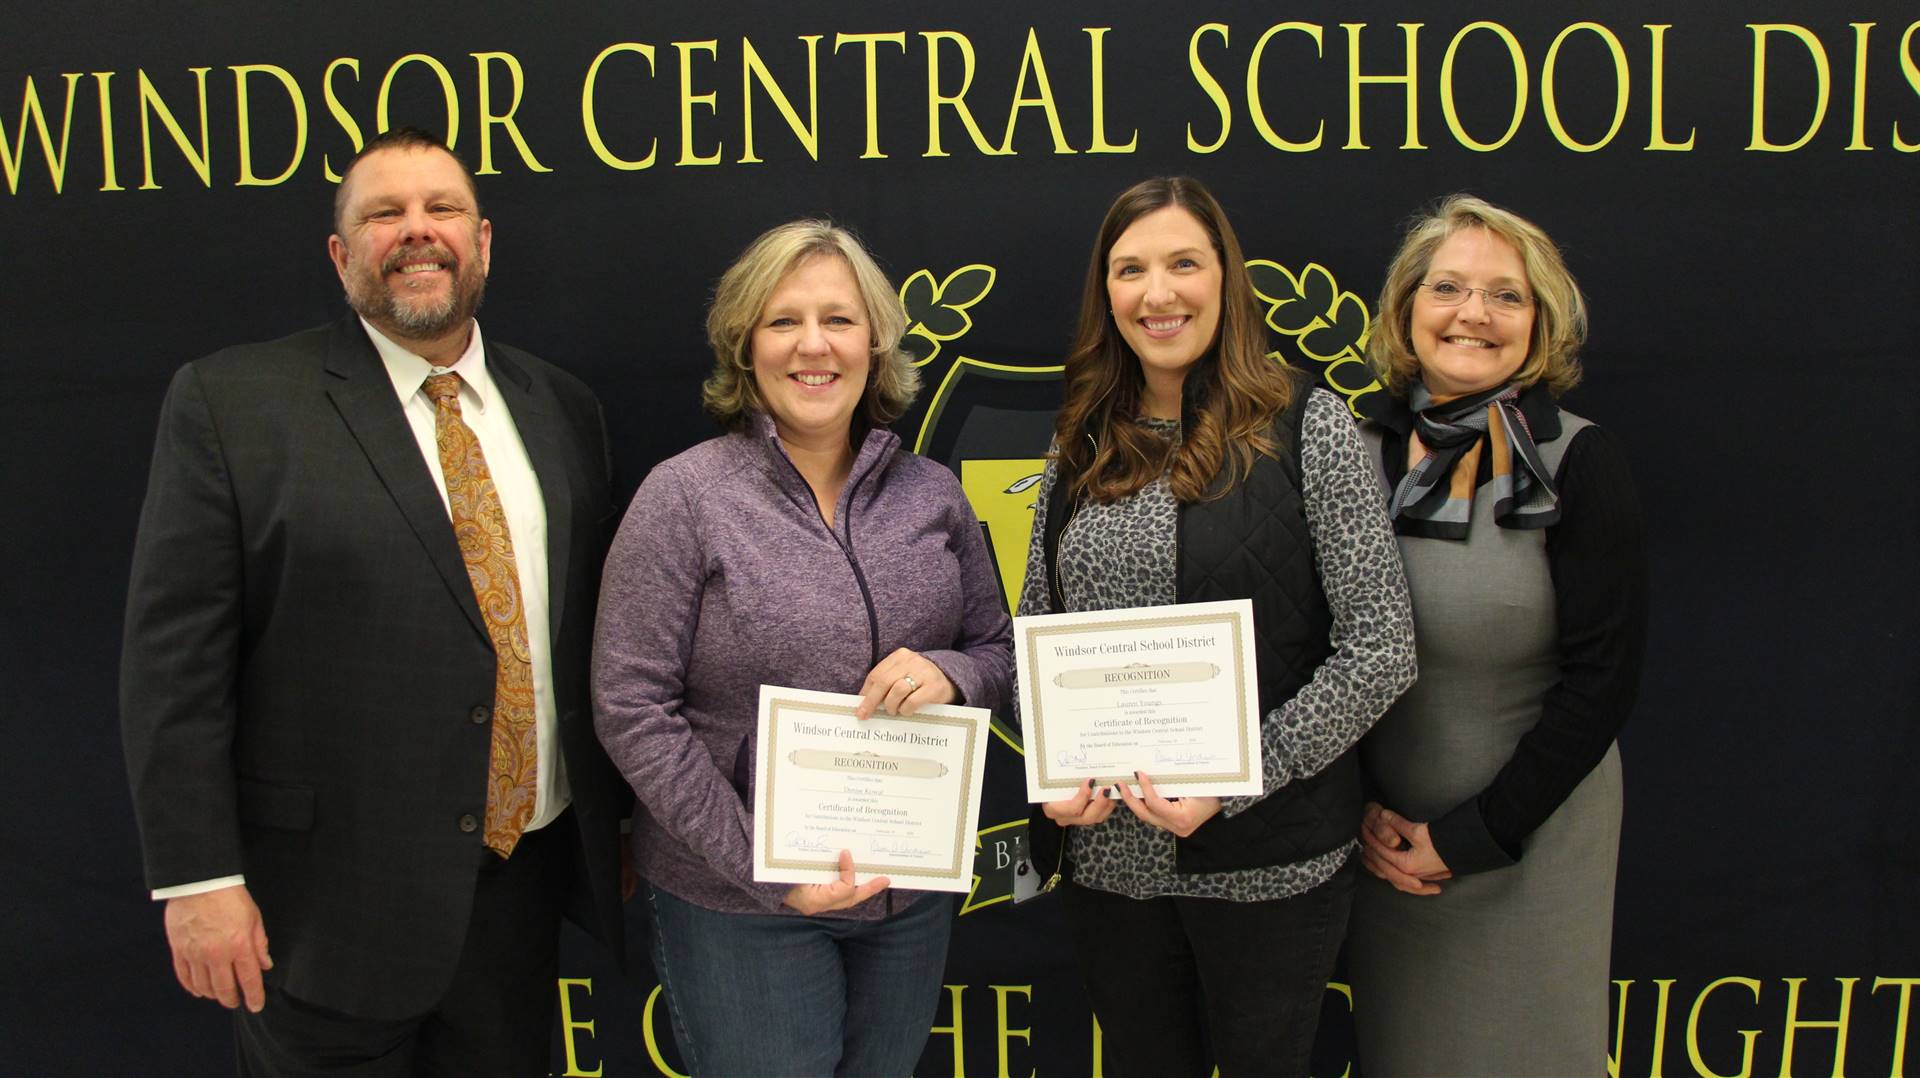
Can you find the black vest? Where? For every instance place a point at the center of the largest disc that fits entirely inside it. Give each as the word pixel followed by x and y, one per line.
pixel 1251 543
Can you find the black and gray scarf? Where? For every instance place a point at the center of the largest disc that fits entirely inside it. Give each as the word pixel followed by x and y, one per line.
pixel 1435 499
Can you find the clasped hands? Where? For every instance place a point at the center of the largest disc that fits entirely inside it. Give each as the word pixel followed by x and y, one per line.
pixel 899 684
pixel 1400 851
pixel 1179 816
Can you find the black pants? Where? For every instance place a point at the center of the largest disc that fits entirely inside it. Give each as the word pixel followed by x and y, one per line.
pixel 1171 976
pixel 496 1018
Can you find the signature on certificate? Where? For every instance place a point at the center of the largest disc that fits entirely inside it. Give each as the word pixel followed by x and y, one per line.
pixel 809 843
pixel 1184 759
pixel 895 848
pixel 1069 758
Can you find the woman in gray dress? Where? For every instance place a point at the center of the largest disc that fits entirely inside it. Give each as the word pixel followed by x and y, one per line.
pixel 1481 944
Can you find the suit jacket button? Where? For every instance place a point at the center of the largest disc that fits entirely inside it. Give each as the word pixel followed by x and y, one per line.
pixel 469 823
pixel 481 713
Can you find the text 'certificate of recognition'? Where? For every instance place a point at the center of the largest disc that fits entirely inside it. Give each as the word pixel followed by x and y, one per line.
pixel 1167 690
pixel 902 792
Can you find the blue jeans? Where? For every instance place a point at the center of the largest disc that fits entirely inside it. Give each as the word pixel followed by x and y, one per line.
pixel 772 994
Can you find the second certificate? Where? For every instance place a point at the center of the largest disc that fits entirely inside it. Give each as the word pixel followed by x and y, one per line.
pixel 1170 691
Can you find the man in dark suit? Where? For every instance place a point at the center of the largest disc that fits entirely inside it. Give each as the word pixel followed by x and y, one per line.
pixel 354 683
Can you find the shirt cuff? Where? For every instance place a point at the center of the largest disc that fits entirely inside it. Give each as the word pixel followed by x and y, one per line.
pixel 1462 840
pixel 182 890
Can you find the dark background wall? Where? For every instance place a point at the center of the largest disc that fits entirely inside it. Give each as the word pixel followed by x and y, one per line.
pixel 1745 234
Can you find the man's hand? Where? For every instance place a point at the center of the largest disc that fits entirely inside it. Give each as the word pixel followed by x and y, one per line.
pixel 629 875
pixel 219 946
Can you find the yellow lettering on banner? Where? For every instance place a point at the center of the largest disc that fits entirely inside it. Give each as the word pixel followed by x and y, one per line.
pixel 1796 1023
pixel 1209 86
pixel 1258 114
pixel 339 112
pixel 756 71
pixel 109 176
pixel 490 119
pixel 871 43
pixel 590 123
pixel 1619 1030
pixel 450 96
pixel 1410 79
pixel 956 101
pixel 1859 140
pixel 1003 1033
pixel 1748 1036
pixel 1912 71
pixel 150 105
pixel 1659 1028
pixel 243 113
pixel 568 1025
pixel 1823 82
pixel 1519 60
pixel 14 158
pixel 1031 62
pixel 1657 137
pixel 1905 984
pixel 1549 104
pixel 1097 48
pixel 688 99
pixel 651 1035
pixel 1346 992
pixel 957 1029
pixel 1665 984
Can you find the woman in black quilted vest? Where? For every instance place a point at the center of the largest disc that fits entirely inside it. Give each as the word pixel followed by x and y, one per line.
pixel 1190 466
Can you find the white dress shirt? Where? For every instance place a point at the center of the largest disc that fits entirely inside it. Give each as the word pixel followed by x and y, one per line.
pixel 485 412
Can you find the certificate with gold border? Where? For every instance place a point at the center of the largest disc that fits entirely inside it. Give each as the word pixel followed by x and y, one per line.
pixel 901 792
pixel 1167 690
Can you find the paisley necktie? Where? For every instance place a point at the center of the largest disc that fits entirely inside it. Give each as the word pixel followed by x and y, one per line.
pixel 486 546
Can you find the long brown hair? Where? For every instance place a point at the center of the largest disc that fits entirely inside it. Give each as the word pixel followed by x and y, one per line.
pixel 1102 452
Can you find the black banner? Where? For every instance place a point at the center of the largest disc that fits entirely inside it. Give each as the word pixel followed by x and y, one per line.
pixel 1735 186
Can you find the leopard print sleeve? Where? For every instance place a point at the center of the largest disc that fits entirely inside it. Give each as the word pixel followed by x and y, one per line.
pixel 1359 566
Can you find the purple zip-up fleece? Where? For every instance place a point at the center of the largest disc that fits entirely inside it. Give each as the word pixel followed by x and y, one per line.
pixel 724 576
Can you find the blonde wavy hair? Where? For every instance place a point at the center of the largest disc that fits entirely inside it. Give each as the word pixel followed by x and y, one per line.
pixel 1559 311
pixel 730 395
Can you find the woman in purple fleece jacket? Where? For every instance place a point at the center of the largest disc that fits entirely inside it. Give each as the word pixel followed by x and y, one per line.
pixel 803 548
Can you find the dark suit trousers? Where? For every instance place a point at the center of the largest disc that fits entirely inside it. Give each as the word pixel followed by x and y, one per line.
pixel 497 1014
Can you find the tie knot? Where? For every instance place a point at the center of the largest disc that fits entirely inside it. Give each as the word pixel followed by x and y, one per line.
pixel 443 389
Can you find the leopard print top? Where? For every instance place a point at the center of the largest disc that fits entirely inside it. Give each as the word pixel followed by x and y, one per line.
pixel 1122 555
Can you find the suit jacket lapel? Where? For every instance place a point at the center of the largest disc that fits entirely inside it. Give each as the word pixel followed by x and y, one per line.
pixel 541 434
pixel 363 395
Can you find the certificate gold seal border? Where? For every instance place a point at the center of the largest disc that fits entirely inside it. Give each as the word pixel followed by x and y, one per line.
pixel 1035 731
pixel 962 849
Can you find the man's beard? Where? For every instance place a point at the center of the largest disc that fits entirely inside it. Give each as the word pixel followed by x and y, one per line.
pixel 369 295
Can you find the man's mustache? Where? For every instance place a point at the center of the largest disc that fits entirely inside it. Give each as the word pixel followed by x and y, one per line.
pixel 432 253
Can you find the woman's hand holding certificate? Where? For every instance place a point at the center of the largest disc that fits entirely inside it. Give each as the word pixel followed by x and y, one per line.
pixel 836 794
pixel 1169 691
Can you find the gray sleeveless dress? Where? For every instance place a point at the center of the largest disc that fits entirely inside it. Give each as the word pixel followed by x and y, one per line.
pixel 1504 972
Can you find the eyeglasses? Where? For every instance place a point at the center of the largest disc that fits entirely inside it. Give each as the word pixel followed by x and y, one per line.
pixel 1453 294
